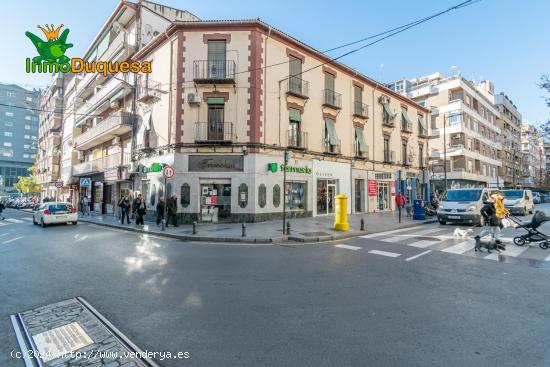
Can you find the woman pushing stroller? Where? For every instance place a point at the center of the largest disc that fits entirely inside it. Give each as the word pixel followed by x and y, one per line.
pixel 493 211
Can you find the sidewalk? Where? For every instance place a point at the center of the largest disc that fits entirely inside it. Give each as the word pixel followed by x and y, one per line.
pixel 312 229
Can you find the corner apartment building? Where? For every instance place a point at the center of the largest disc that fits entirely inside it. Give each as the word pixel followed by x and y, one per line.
pixel 463 128
pixel 509 122
pixel 225 100
pixel 533 158
pixel 217 109
pixel 18 134
pixel 49 137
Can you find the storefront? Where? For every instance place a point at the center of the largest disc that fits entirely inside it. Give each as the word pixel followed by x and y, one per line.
pixel 215 202
pixel 381 190
pixel 331 179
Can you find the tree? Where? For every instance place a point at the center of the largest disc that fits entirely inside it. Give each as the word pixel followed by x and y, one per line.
pixel 27 184
pixel 545 85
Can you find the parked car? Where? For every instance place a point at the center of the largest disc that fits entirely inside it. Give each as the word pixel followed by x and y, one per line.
pixel 519 201
pixel 462 205
pixel 55 212
pixel 537 198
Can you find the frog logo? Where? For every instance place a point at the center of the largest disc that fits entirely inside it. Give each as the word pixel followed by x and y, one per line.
pixel 53 50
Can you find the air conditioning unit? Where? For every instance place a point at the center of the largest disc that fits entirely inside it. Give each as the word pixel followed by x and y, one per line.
pixel 116 140
pixel 193 98
pixel 383 99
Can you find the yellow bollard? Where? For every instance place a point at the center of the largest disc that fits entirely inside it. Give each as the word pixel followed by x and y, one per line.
pixel 341 217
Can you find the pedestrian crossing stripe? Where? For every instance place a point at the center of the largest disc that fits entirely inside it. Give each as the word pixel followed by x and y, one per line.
pixel 13 220
pixel 511 250
pixel 422 244
pixel 461 247
pixel 27 219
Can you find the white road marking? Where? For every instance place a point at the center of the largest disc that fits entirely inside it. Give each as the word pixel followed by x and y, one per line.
pixel 460 248
pixel 384 253
pixel 547 258
pixel 511 250
pixel 13 220
pixel 3 224
pixel 391 232
pixel 395 238
pixel 27 219
pixel 4 234
pixel 417 256
pixel 422 244
pixel 13 239
pixel 348 247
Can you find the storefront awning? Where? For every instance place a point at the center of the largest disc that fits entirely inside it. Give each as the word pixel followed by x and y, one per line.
pixel 361 139
pixel 332 137
pixel 294 114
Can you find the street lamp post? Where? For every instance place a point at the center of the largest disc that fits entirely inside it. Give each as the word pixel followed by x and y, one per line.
pixel 445 150
pixel 286 158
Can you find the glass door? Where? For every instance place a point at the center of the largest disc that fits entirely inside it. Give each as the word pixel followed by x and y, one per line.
pixel 321 197
pixel 383 196
pixel 215 122
pixel 331 192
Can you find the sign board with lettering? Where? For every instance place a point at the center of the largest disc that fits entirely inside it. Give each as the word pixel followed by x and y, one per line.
pixel 216 163
pixel 372 188
pixel 85 182
pixel 62 340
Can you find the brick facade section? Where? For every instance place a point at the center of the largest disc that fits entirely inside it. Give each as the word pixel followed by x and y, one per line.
pixel 295 106
pixel 255 89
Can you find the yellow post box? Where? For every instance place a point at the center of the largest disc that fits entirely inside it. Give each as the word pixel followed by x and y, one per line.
pixel 341 217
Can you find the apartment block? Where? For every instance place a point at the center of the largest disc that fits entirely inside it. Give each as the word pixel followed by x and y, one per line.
pixel 533 160
pixel 509 122
pixel 18 134
pixel 463 130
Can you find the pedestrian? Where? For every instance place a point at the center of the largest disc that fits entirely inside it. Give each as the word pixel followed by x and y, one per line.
pixel 493 211
pixel 160 210
pixel 140 211
pixel 2 207
pixel 172 210
pixel 135 204
pixel 120 208
pixel 125 206
pixel 85 205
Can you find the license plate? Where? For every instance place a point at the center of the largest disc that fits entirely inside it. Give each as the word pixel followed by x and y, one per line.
pixel 61 216
pixel 454 217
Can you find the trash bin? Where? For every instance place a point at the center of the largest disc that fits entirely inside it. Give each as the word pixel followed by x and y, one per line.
pixel 341 217
pixel 418 210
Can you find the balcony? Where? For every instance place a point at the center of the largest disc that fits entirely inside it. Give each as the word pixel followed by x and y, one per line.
pixel 387 121
pixel 148 90
pixel 361 154
pixel 389 156
pixel 297 87
pixel 422 133
pixel 330 148
pixel 360 110
pixel 111 126
pixel 332 99
pixel 214 71
pixel 296 139
pixel 119 49
pixel 101 164
pixel 213 132
pixel 406 127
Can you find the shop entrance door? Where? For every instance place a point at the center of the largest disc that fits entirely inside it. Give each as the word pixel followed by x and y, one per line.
pixel 330 198
pixel 326 190
pixel 383 196
pixel 215 202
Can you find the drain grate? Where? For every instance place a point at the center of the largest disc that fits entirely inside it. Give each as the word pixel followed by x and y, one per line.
pixel 73 333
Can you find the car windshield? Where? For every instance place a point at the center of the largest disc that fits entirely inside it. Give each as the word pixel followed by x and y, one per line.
pixel 513 194
pixel 60 207
pixel 462 195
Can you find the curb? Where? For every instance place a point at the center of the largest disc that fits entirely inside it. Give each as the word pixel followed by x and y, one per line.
pixel 264 240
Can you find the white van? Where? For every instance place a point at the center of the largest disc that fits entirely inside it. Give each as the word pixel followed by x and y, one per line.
pixel 519 201
pixel 463 205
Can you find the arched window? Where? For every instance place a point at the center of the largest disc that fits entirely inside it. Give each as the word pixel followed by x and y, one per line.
pixel 185 195
pixel 276 196
pixel 262 195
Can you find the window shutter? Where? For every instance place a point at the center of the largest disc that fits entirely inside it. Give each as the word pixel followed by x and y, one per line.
pixel 216 50
pixel 332 137
pixel 294 114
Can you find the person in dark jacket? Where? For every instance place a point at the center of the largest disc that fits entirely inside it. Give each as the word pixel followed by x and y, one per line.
pixel 135 203
pixel 120 210
pixel 489 214
pixel 2 207
pixel 172 210
pixel 125 206
pixel 160 210
pixel 140 211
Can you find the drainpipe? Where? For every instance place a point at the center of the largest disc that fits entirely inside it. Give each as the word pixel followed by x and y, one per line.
pixel 265 84
pixel 373 140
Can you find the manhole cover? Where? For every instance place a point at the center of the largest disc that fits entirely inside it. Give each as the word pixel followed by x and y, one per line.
pixel 314 234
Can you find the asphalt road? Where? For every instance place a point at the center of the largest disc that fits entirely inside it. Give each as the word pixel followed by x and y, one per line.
pixel 303 305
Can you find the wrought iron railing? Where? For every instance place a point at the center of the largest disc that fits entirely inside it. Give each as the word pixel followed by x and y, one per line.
pixel 211 132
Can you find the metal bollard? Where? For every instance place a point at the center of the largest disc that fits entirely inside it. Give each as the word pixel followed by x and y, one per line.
pixel 288 228
pixel 244 230
pixel 362 224
pixel 194 227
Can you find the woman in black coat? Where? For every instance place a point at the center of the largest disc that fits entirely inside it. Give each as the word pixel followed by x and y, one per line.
pixel 141 210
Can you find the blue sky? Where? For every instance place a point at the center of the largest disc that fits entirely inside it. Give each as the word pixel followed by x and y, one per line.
pixel 506 41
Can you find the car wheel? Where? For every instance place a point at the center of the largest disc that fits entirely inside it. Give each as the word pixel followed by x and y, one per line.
pixel 441 221
pixel 34 221
pixel 42 223
pixel 75 223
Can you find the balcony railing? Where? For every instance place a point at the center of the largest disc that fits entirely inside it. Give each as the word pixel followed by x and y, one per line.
pixel 360 109
pixel 332 99
pixel 213 132
pixel 406 127
pixel 389 156
pixel 387 121
pixel 148 90
pixel 407 161
pixel 214 71
pixel 423 133
pixel 100 164
pixel 297 87
pixel 330 148
pixel 361 154
pixel 297 139
pixel 113 125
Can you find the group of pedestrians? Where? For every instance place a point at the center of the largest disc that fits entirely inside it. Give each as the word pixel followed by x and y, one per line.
pixel 138 207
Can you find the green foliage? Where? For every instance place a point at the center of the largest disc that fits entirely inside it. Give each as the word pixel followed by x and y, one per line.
pixel 27 184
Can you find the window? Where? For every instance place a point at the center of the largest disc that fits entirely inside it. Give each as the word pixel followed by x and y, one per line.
pixel 331 139
pixel 8 133
pixel 7 153
pixel 29 99
pixel 7 144
pixel 216 59
pixel 27 127
pixel 358 101
pixel 10 94
pixel 27 118
pixel 296 196
pixel 185 195
pixel 9 114
pixel 33 137
pixel 216 113
pixel 25 155
pixel 27 136
pixel 276 196
pixel 359 195
pixel 404 152
pixel 294 136
pixel 26 146
pixel 262 195
pixel 455 117
pixel 387 153
pixel 361 149
pixel 405 122
pixel 295 75
pixel 8 123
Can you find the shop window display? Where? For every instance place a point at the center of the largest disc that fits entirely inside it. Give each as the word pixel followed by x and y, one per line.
pixel 296 196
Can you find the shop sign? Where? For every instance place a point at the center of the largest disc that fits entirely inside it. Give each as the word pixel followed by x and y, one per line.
pixel 153 168
pixel 216 163
pixel 111 174
pixel 272 167
pixel 372 187
pixel 393 188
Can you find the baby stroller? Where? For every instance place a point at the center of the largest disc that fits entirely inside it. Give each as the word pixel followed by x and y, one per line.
pixel 532 235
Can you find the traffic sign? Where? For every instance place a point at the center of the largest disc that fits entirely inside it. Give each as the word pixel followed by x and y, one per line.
pixel 168 172
pixel 85 182
pixel 59 184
